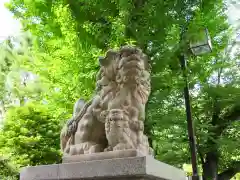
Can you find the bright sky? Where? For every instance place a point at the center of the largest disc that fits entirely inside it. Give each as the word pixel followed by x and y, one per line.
pixel 10 26
pixel 234 12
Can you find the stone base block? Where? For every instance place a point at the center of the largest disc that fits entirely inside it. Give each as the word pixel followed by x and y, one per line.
pixel 127 168
pixel 101 156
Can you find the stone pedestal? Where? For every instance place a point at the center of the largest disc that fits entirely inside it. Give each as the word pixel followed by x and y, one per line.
pixel 130 166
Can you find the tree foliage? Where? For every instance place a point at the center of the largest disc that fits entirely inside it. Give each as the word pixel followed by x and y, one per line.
pixel 8 171
pixel 70 35
pixel 30 135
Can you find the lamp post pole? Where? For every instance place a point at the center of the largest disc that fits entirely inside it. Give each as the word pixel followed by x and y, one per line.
pixel 191 134
pixel 197 49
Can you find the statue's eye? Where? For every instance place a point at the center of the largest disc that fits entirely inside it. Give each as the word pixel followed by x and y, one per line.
pixel 110 119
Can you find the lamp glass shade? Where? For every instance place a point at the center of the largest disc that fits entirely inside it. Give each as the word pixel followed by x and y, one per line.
pixel 202 45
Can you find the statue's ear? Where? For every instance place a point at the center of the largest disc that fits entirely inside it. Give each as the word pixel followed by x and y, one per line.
pixel 110 55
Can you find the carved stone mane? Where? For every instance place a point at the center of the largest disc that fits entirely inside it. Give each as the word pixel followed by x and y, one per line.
pixel 113 119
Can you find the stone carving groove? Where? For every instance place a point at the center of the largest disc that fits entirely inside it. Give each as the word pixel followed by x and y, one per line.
pixel 114 118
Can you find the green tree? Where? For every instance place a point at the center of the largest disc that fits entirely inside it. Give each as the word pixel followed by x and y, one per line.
pixel 17 84
pixel 6 61
pixel 7 171
pixel 72 33
pixel 30 135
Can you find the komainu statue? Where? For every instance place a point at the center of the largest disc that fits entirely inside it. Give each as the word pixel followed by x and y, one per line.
pixel 113 119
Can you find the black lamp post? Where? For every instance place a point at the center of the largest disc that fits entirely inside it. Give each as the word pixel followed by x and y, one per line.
pixel 199 47
pixel 191 134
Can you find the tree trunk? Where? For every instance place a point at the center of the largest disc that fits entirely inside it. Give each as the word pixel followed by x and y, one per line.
pixel 210 166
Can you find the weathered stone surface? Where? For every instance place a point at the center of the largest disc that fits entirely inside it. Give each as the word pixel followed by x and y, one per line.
pixel 44 172
pixel 101 156
pixel 131 168
pixel 113 119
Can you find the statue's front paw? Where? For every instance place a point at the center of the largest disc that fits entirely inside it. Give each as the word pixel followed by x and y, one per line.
pixel 122 146
pixel 95 149
pixel 109 148
pixel 73 150
pixel 78 149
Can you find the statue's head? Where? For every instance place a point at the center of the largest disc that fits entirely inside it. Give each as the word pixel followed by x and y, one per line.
pixel 127 50
pixel 133 56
